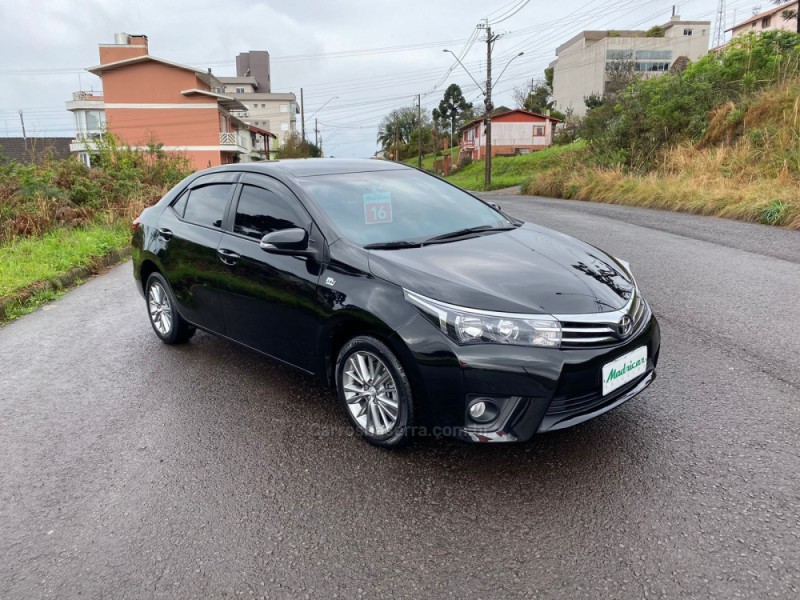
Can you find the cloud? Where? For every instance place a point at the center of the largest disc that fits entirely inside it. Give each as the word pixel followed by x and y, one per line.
pixel 47 44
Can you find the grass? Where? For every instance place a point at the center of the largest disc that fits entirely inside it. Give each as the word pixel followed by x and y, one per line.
pixel 427 159
pixel 30 260
pixel 36 301
pixel 746 167
pixel 508 171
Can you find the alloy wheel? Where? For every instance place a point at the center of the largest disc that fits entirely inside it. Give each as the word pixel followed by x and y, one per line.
pixel 160 308
pixel 370 393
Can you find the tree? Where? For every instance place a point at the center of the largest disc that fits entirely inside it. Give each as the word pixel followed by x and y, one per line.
pixel 679 66
pixel 620 73
pixel 593 101
pixel 294 146
pixel 535 97
pixel 453 109
pixel 398 131
pixel 538 97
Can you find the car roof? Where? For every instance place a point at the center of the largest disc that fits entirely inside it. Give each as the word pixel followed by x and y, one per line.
pixel 309 167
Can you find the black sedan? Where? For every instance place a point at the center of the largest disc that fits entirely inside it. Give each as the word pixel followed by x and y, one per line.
pixel 427 309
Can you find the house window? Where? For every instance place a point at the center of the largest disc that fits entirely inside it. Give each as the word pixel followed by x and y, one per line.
pixel 649 66
pixel 654 54
pixel 284 108
pixel 470 134
pixel 239 90
pixel 688 32
pixel 284 127
pixel 765 22
pixel 538 130
pixel 619 54
pixel 263 106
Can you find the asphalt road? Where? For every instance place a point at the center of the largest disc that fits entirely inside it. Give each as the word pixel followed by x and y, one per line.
pixel 130 469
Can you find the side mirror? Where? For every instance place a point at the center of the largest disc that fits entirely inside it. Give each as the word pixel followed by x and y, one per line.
pixel 286 241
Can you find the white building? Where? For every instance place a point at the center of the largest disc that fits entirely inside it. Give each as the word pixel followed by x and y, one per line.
pixel 90 122
pixel 273 112
pixel 581 68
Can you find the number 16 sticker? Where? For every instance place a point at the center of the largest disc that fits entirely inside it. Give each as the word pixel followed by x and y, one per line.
pixel 377 208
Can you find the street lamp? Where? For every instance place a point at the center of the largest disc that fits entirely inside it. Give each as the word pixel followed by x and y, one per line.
pixel 466 70
pixel 316 128
pixel 324 105
pixel 513 58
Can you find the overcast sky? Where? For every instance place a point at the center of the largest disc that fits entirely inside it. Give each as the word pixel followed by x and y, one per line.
pixel 370 55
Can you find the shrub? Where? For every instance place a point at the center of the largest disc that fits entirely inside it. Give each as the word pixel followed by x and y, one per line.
pixel 38 197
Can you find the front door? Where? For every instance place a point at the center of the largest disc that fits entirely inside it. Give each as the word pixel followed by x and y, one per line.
pixel 269 299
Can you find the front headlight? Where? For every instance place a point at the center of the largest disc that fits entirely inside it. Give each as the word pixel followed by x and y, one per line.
pixel 470 326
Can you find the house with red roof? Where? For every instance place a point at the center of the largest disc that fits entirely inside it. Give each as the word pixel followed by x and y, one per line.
pixel 514 132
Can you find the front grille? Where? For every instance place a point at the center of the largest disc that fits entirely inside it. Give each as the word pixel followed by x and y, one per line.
pixel 602 329
pixel 576 405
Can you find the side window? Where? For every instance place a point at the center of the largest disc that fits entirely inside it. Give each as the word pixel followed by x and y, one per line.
pixel 206 205
pixel 262 211
pixel 180 206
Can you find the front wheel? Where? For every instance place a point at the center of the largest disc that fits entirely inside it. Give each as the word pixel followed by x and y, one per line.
pixel 166 322
pixel 374 392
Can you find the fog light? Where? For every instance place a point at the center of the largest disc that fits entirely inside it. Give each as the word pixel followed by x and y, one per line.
pixel 477 410
pixel 483 410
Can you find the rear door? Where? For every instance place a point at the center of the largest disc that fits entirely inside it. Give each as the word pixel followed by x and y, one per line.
pixel 269 300
pixel 192 229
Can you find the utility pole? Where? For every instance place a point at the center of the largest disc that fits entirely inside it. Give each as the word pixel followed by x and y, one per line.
pixel 488 103
pixel 24 136
pixel 316 134
pixel 719 25
pixel 302 116
pixel 419 130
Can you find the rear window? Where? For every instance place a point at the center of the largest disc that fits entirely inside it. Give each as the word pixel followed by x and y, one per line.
pixel 206 205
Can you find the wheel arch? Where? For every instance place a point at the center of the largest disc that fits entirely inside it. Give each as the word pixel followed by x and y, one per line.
pixel 353 325
pixel 146 268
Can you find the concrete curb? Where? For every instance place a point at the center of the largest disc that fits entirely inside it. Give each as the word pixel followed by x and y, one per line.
pixel 67 280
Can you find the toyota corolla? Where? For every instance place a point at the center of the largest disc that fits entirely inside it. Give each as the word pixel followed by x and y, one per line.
pixel 424 307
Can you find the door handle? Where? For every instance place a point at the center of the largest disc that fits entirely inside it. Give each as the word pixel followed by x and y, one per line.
pixel 165 233
pixel 229 257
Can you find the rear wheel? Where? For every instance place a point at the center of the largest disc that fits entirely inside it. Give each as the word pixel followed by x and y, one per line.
pixel 169 326
pixel 374 392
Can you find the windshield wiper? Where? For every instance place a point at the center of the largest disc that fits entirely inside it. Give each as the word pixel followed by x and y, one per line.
pixel 392 245
pixel 463 232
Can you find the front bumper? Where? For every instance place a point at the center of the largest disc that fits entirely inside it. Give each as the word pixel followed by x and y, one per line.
pixel 538 389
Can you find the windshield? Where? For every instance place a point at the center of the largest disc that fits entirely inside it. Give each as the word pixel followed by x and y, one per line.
pixel 392 206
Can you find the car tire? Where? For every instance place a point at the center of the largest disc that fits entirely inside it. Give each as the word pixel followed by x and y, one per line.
pixel 374 392
pixel 169 326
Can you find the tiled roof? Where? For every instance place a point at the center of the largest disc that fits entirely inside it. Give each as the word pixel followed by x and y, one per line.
pixel 20 150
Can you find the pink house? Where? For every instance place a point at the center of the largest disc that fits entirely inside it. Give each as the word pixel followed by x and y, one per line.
pixel 767 20
pixel 514 132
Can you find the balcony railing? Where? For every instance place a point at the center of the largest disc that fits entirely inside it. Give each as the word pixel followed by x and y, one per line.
pixel 86 97
pixel 227 138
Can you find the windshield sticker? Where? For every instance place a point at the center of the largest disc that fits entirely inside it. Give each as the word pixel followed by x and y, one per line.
pixel 377 208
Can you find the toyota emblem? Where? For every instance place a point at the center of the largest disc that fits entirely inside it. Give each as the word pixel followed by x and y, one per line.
pixel 625 326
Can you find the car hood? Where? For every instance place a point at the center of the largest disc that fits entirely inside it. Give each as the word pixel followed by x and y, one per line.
pixel 530 269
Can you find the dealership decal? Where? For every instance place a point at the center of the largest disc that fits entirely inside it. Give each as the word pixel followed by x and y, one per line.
pixel 626 368
pixel 377 208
